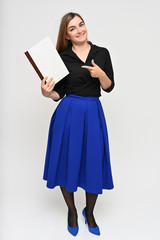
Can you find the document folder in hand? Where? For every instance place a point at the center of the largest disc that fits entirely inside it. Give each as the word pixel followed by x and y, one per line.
pixel 46 60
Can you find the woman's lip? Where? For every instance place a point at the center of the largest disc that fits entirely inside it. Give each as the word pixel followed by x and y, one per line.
pixel 81 35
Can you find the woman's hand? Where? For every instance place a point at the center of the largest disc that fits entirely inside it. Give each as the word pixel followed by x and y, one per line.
pixel 95 71
pixel 47 87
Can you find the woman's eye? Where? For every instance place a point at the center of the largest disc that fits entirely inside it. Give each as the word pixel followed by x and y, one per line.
pixel 80 25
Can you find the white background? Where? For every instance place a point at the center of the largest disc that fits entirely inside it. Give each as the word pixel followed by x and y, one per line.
pixel 130 30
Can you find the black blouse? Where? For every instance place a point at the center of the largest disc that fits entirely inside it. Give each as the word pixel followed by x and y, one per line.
pixel 79 81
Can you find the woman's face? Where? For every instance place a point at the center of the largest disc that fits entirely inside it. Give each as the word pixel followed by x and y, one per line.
pixel 76 31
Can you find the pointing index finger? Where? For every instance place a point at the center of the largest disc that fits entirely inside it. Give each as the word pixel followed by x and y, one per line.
pixel 88 67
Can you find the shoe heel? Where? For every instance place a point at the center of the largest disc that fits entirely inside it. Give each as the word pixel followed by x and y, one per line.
pixel 83 213
pixel 92 230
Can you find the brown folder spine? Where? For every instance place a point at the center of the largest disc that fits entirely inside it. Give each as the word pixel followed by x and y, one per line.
pixel 34 65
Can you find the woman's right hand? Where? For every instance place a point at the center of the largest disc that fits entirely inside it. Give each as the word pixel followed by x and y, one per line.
pixel 47 87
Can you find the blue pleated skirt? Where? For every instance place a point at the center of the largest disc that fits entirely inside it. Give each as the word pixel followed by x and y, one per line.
pixel 77 153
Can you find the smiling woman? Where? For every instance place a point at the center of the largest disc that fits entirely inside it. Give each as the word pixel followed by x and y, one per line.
pixel 78 30
pixel 77 152
pixel 77 34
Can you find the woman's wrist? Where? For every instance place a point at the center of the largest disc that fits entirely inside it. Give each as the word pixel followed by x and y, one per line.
pixel 104 80
pixel 54 95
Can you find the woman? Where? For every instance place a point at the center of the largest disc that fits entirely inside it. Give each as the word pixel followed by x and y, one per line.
pixel 77 152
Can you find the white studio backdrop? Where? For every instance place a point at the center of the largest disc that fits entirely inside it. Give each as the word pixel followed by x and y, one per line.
pixel 131 32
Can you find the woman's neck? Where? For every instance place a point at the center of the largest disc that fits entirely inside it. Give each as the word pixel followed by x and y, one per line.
pixel 80 47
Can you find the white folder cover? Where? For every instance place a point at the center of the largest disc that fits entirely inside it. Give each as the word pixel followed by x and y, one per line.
pixel 46 60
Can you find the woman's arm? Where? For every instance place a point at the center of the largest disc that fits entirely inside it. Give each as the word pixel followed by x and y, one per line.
pixel 59 89
pixel 108 77
pixel 47 89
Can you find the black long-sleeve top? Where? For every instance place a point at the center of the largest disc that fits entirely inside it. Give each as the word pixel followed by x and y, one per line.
pixel 79 81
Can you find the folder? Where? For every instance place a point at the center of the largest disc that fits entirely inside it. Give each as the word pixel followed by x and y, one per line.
pixel 46 60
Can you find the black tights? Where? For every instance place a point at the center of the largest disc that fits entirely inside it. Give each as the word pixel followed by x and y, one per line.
pixel 90 203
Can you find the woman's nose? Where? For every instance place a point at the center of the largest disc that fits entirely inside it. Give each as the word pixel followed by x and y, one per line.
pixel 79 30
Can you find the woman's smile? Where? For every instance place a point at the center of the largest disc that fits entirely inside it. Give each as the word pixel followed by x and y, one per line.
pixel 81 35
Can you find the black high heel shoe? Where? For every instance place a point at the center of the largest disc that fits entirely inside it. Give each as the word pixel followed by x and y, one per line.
pixel 94 230
pixel 72 230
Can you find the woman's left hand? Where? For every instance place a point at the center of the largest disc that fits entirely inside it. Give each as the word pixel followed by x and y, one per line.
pixel 95 71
